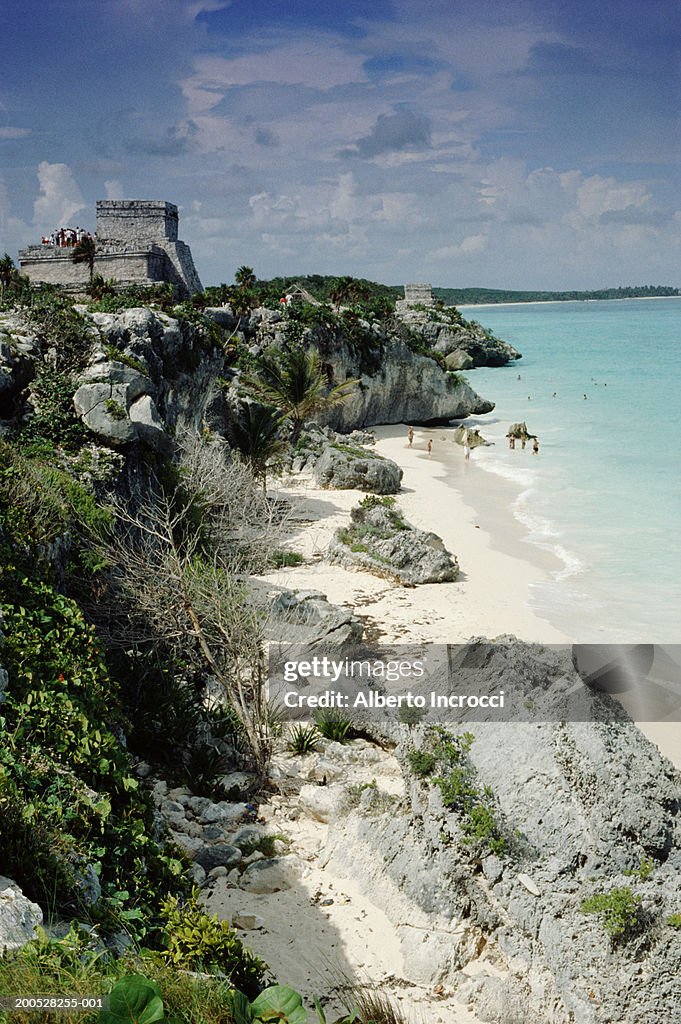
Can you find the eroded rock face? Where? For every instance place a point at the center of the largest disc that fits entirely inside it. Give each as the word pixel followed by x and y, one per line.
pixel 342 469
pixel 19 917
pixel 149 374
pixel 584 804
pixel 379 540
pixel 464 343
pixel 18 352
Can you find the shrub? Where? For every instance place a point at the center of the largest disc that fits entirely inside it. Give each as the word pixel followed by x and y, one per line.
pixel 303 740
pixel 422 763
pixel 620 912
pixel 196 939
pixel 674 921
pixel 334 726
pixel 284 559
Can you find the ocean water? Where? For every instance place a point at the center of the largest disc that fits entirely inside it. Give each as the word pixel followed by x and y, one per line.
pixel 604 493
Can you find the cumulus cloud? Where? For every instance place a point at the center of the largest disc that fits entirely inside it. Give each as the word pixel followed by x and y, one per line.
pixel 60 197
pixel 393 133
pixel 176 140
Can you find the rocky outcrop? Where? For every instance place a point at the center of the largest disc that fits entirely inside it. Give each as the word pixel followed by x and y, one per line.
pixel 344 467
pixel 380 540
pixel 464 344
pixel 396 384
pixel 589 808
pixel 149 375
pixel 19 917
pixel 307 617
pixel 18 353
pixel 470 436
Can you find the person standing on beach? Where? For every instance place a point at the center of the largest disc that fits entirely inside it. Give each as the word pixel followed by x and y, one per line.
pixel 535 446
pixel 430 447
pixel 466 447
pixel 410 436
pixel 511 441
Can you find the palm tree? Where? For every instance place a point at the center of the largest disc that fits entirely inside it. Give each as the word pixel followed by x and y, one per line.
pixel 245 277
pixel 348 289
pixel 84 252
pixel 8 273
pixel 255 431
pixel 295 382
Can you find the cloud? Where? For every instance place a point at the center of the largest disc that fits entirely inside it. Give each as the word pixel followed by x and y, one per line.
pixel 60 197
pixel 175 141
pixel 114 189
pixel 14 133
pixel 393 133
pixel 635 215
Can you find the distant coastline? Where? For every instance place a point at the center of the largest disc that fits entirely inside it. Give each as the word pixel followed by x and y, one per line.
pixel 501 296
pixel 558 302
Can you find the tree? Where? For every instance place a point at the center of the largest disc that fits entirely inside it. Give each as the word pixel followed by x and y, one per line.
pixel 84 252
pixel 8 274
pixel 295 382
pixel 255 431
pixel 244 277
pixel 348 289
pixel 179 560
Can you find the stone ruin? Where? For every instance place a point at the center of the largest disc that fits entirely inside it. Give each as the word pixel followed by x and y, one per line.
pixel 415 295
pixel 136 244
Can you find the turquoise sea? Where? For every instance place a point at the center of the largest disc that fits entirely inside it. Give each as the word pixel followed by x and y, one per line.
pixel 605 491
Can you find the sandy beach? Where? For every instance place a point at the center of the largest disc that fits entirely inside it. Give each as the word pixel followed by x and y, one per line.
pixel 489 598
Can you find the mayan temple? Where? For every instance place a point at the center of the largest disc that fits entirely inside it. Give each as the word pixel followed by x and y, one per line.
pixel 136 243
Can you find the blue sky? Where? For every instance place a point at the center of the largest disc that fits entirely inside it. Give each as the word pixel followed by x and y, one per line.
pixel 528 144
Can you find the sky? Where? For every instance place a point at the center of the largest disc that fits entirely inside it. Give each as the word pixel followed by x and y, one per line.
pixel 522 144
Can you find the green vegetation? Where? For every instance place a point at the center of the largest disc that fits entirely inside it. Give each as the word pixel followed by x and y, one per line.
pixel 333 725
pixel 294 382
pixel 643 871
pixel 115 410
pixel 674 921
pixel 422 763
pixel 473 804
pixel 116 356
pixel 302 740
pixel 473 296
pixel 198 940
pixel 286 559
pixel 363 531
pixel 620 912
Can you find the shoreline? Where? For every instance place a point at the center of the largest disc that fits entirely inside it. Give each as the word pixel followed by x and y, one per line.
pixel 561 302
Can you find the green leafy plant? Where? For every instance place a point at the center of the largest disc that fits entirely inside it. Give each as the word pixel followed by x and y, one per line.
pixel 334 726
pixel 134 1000
pixel 422 763
pixel 302 740
pixel 620 912
pixel 674 921
pixel 199 940
pixel 285 559
pixel 643 871
pixel 115 410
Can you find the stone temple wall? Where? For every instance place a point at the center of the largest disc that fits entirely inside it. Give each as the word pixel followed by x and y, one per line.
pixel 415 295
pixel 136 244
pixel 128 221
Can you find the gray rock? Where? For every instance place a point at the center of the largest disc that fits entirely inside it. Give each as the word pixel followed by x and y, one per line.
pixel 197 874
pixel 583 803
pixel 322 803
pixel 344 470
pixel 217 855
pixel 148 424
pixel 222 811
pixel 459 360
pixel 104 409
pixel 307 617
pixel 19 917
pixel 247 837
pixel 382 542
pixel 272 875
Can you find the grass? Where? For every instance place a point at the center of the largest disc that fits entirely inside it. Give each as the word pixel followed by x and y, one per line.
pixel 334 726
pixel 284 559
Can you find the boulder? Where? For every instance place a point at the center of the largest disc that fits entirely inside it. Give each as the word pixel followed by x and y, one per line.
pixel 459 359
pixel 222 855
pixel 19 916
pixel 322 803
pixel 345 468
pixel 380 540
pixel 307 617
pixel 272 875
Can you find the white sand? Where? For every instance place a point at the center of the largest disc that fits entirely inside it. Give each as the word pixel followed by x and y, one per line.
pixel 326 923
pixel 491 595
